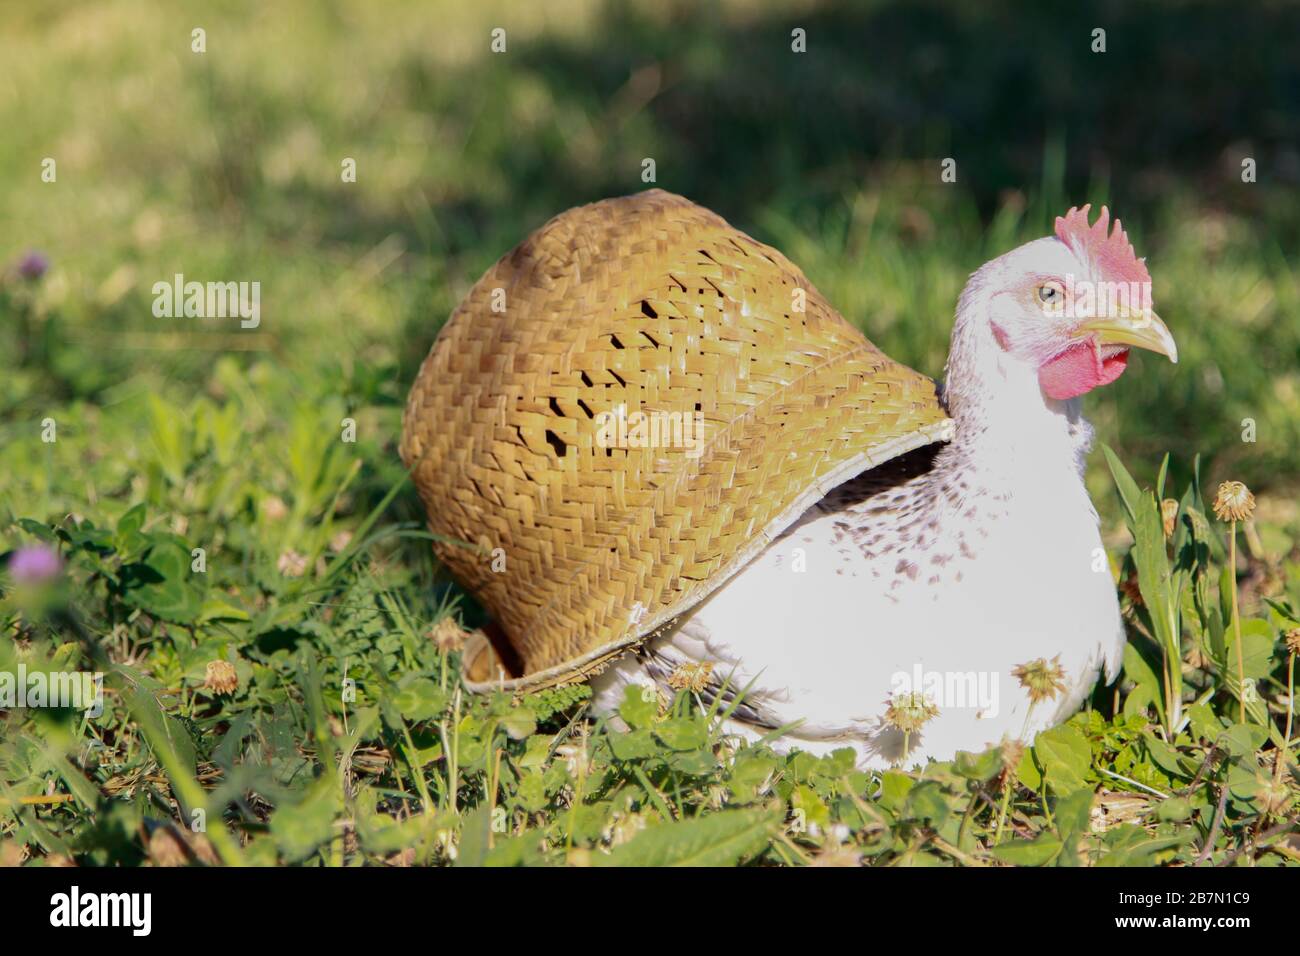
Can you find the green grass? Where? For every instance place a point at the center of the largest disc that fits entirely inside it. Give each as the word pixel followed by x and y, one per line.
pixel 347 740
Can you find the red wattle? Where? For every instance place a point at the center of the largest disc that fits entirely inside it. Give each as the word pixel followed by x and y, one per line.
pixel 1079 369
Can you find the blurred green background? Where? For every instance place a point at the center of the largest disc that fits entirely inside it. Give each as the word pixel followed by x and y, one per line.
pixel 225 165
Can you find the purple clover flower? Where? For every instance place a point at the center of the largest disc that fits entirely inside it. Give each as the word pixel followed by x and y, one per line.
pixel 34 564
pixel 33 265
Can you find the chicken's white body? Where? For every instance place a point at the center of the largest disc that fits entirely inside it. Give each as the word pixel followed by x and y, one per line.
pixel 941 584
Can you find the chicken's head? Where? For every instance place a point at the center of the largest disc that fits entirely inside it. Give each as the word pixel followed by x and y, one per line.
pixel 1072 305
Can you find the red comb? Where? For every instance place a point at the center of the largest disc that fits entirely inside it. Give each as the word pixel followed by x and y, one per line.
pixel 1108 250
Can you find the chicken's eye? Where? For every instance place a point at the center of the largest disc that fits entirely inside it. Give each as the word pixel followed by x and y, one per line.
pixel 1051 296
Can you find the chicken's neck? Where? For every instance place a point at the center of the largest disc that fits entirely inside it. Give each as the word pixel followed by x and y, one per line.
pixel 1012 471
pixel 1011 443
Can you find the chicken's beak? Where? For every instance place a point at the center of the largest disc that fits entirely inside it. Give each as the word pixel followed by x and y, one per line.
pixel 1141 329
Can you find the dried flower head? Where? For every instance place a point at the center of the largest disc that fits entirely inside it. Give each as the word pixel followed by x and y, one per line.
pixel 576 759
pixel 1169 515
pixel 909 711
pixel 1234 502
pixel 448 635
pixel 625 827
pixel 1292 638
pixel 692 677
pixel 220 677
pixel 1010 753
pixel 292 564
pixel 274 508
pixel 1043 679
pixel 1130 588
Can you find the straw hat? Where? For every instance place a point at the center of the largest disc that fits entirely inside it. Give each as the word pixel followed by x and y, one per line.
pixel 627 408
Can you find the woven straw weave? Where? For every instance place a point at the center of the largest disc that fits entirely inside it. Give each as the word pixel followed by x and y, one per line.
pixel 655 304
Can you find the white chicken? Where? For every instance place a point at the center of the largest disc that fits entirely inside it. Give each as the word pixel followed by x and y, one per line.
pixel 956 596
